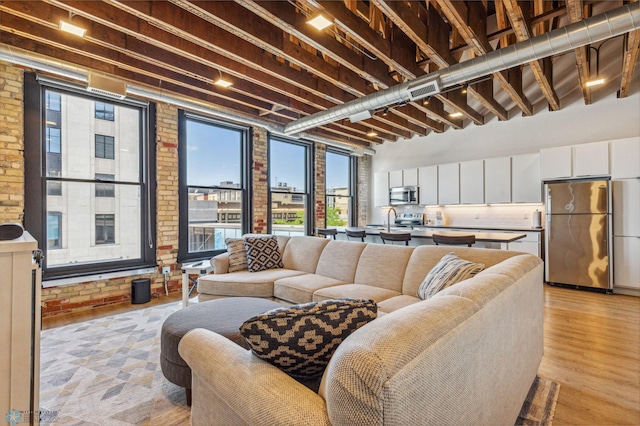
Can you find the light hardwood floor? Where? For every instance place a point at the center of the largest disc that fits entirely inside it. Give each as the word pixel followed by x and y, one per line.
pixel 591 345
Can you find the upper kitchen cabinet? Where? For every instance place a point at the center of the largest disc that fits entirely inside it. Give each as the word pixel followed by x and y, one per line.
pixel 449 183
pixel 472 182
pixel 428 185
pixel 525 179
pixel 381 189
pixel 556 163
pixel 591 159
pixel 410 177
pixel 625 158
pixel 395 179
pixel 497 180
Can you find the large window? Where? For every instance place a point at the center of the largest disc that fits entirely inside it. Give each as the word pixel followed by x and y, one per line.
pixel 213 194
pixel 339 189
pixel 290 169
pixel 96 184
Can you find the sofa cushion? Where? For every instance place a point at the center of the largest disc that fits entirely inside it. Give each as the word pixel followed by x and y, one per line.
pixel 262 253
pixel 243 283
pixel 339 260
pixel 237 254
pixel 383 266
pixel 448 271
pixel 301 339
pixel 396 302
pixel 354 291
pixel 300 289
pixel 302 253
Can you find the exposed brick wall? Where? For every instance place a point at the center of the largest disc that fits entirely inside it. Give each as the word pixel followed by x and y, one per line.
pixel 260 181
pixel 11 144
pixel 320 166
pixel 363 178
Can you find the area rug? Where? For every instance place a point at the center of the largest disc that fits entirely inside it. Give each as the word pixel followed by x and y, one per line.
pixel 107 372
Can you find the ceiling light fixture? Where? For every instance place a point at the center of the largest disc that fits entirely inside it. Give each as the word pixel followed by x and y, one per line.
pixel 222 82
pixel 319 22
pixel 464 89
pixel 596 82
pixel 372 133
pixel 72 29
pixel 455 114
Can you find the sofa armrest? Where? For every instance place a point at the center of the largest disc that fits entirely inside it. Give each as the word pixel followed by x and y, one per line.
pixel 233 385
pixel 220 263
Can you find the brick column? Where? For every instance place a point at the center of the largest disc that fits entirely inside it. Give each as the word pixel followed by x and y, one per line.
pixel 260 181
pixel 363 183
pixel 11 144
pixel 320 184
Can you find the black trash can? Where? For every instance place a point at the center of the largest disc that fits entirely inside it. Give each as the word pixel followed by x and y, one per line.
pixel 140 291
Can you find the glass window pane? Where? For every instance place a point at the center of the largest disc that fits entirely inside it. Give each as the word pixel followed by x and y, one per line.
pixel 53 230
pixel 213 155
pixel 214 215
pixel 108 229
pixel 287 166
pixel 337 173
pixel 288 213
pixel 337 211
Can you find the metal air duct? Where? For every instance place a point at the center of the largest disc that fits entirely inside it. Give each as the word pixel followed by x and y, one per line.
pixel 591 30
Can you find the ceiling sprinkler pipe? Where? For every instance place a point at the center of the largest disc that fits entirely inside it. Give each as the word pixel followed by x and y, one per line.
pixel 590 30
pixel 28 59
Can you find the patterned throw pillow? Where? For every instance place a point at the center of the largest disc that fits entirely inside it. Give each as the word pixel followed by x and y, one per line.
pixel 237 254
pixel 301 339
pixel 449 270
pixel 262 253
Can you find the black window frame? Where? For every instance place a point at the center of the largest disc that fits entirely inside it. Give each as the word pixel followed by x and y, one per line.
pixel 310 217
pixel 36 178
pixel 105 141
pixel 184 252
pixel 104 111
pixel 353 187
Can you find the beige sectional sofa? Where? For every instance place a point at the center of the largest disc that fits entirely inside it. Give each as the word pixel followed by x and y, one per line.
pixel 466 356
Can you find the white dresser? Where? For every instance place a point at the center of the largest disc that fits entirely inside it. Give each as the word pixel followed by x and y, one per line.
pixel 20 313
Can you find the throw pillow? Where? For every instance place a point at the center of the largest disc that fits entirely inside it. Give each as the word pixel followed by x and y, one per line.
pixel 262 253
pixel 449 270
pixel 237 254
pixel 301 339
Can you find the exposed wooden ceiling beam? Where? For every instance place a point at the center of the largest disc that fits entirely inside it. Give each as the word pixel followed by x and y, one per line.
pixel 629 62
pixel 575 11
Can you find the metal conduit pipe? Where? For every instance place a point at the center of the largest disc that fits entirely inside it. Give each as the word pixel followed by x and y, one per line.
pixel 60 69
pixel 591 30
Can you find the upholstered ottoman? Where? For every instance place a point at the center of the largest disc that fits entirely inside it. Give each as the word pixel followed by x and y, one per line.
pixel 223 316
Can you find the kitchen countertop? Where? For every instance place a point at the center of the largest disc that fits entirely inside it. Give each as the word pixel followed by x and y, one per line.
pixel 492 237
pixel 489 228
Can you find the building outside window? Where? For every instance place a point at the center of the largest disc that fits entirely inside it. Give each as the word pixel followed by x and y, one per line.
pixel 290 169
pixel 105 111
pixel 213 167
pixel 339 188
pixel 103 200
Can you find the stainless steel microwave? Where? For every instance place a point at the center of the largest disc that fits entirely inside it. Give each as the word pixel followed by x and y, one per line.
pixel 403 195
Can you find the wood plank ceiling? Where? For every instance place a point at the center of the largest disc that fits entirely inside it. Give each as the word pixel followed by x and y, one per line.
pixel 282 68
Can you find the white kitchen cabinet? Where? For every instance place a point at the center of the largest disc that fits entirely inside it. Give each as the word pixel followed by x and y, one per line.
pixel 591 159
pixel 472 182
pixel 428 185
pixel 497 180
pixel 532 243
pixel 381 189
pixel 556 163
pixel 449 183
pixel 410 177
pixel 626 268
pixel 626 207
pixel 625 158
pixel 526 186
pixel 395 178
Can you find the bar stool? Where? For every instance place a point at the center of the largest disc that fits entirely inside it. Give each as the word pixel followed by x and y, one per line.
pixel 327 232
pixel 469 240
pixel 395 236
pixel 355 233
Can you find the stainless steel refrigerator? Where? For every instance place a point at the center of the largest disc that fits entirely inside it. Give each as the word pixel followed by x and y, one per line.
pixel 578 233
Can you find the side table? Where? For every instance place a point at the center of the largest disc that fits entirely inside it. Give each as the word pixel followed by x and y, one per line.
pixel 202 267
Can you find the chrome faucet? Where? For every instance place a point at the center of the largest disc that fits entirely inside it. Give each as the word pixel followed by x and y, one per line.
pixel 395 214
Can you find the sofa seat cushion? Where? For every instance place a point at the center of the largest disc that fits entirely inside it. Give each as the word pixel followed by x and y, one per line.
pixel 397 302
pixel 243 283
pixel 300 289
pixel 339 260
pixel 360 291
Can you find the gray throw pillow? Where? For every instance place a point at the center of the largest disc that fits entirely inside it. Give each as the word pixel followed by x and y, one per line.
pixel 301 339
pixel 237 254
pixel 449 270
pixel 262 253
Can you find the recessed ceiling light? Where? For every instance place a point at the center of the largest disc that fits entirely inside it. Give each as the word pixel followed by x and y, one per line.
pixel 222 83
pixel 594 82
pixel 455 114
pixel 372 133
pixel 73 29
pixel 320 22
